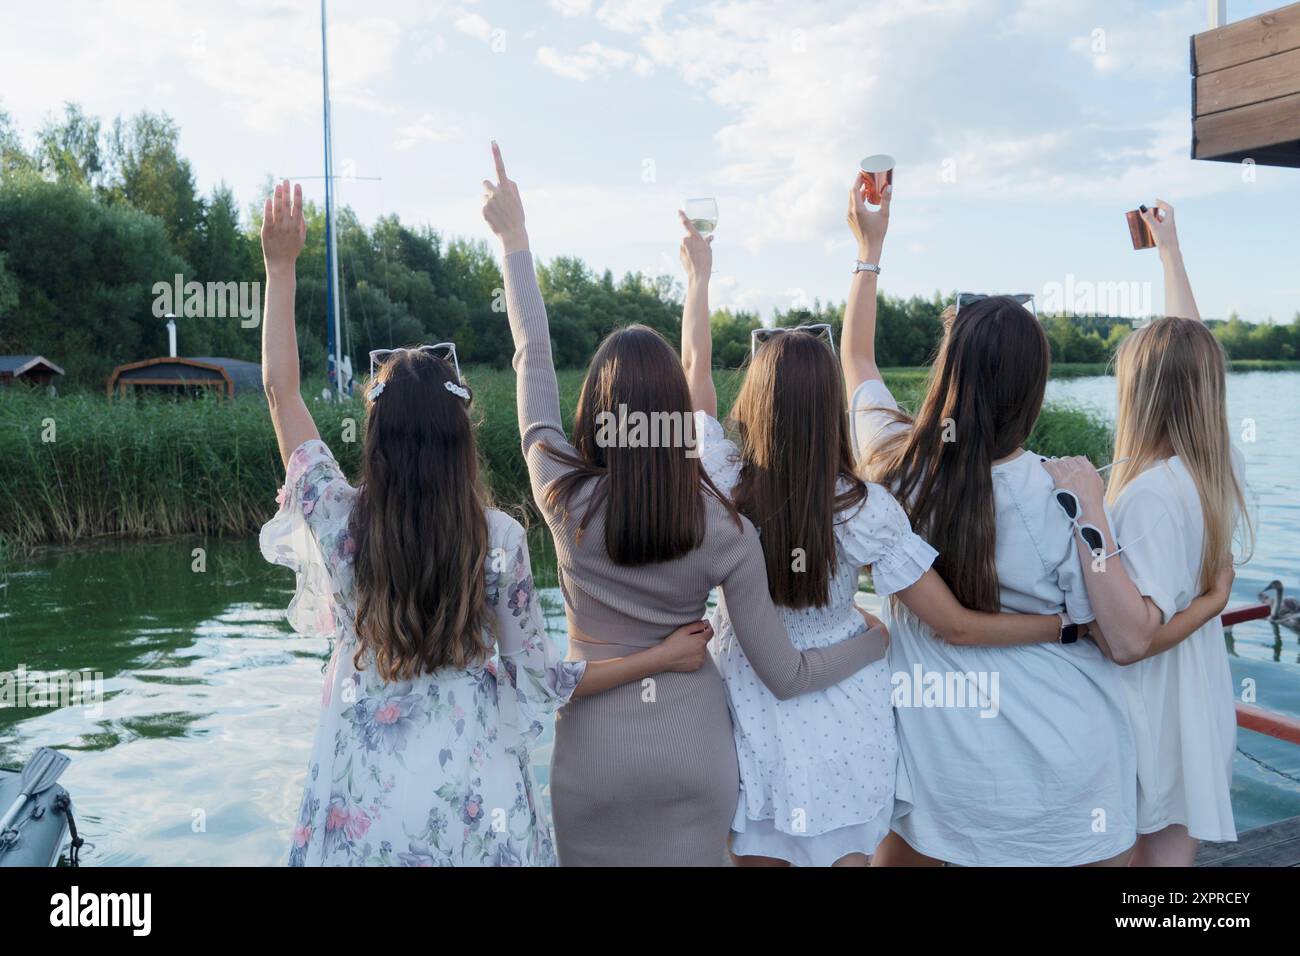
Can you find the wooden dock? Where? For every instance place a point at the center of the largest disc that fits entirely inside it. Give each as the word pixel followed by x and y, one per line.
pixel 1277 844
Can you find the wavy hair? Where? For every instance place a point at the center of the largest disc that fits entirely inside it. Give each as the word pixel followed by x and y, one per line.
pixel 419 525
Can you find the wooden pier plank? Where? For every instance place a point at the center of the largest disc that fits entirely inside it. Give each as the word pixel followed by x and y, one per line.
pixel 1274 32
pixel 1275 844
pixel 1253 82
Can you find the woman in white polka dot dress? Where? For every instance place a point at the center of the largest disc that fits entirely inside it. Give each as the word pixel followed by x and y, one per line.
pixel 817 771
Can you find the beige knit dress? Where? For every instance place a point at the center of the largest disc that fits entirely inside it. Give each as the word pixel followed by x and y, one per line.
pixel 646 774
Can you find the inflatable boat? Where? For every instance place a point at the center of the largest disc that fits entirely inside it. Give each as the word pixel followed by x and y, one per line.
pixel 42 824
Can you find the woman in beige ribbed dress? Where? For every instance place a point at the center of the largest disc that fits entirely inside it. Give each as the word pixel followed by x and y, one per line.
pixel 645 774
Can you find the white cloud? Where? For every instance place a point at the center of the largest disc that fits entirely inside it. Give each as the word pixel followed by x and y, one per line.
pixel 471 24
pixel 628 16
pixel 592 59
pixel 972 98
pixel 426 129
pixel 570 8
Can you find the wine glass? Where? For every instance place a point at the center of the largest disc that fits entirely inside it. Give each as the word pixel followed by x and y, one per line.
pixel 703 214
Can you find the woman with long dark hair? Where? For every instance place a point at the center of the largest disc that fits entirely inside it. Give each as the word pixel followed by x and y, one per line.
pixel 818 771
pixel 441 673
pixel 641 775
pixel 1045 773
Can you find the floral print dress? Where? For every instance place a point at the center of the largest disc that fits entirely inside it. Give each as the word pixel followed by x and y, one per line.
pixel 428 772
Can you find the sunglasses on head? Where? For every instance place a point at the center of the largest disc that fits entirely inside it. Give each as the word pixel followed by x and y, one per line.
pixel 970 298
pixel 443 350
pixel 760 337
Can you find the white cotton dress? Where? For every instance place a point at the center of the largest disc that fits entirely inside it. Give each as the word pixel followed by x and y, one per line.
pixel 1039 769
pixel 1180 702
pixel 817 770
pixel 428 772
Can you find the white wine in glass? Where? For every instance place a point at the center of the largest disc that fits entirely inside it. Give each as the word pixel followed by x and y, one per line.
pixel 703 214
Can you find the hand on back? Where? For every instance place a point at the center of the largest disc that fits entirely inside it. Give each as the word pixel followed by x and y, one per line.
pixel 687 648
pixel 284 230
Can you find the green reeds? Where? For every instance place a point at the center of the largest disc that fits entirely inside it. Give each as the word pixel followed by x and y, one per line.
pixel 79 466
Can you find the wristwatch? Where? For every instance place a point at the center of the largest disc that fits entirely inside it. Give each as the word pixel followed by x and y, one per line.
pixel 861 266
pixel 1069 630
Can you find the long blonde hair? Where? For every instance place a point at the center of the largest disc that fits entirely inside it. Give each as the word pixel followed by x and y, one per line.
pixel 1173 400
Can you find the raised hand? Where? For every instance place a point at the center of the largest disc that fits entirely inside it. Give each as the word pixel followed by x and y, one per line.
pixel 868 226
pixel 696 251
pixel 284 230
pixel 1160 219
pixel 503 209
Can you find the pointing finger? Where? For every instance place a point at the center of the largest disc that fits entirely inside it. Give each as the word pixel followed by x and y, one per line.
pixel 501 164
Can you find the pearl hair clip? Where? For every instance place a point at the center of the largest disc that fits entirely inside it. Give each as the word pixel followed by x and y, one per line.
pixel 457 390
pixel 375 391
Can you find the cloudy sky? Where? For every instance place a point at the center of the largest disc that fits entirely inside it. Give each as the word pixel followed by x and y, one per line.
pixel 1023 130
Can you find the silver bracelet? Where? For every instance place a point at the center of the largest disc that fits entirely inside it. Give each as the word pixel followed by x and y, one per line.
pixel 860 266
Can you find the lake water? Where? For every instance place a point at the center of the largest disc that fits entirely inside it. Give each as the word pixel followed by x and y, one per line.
pixel 198 753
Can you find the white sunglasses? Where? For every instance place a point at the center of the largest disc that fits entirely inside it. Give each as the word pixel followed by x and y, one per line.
pixel 760 337
pixel 443 350
pixel 970 298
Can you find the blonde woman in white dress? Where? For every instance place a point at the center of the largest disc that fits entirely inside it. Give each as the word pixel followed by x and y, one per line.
pixel 1175 500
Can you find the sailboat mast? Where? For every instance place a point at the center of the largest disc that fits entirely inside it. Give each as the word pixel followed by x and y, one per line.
pixel 333 292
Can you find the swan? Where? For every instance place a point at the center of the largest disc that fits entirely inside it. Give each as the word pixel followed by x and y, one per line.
pixel 1285 610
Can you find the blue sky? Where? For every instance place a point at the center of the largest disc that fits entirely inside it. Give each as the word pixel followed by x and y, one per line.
pixel 1023 130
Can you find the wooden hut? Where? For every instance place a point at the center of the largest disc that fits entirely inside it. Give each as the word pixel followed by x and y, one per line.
pixel 34 369
pixel 226 376
pixel 1246 88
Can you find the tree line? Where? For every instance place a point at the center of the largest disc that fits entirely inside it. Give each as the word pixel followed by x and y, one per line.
pixel 92 215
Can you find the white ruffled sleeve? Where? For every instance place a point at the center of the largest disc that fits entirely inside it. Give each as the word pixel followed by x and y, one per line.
pixel 718 454
pixel 530 664
pixel 310 536
pixel 879 534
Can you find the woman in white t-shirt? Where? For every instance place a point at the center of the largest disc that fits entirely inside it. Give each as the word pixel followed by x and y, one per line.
pixel 1176 500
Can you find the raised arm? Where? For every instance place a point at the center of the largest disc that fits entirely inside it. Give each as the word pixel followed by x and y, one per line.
pixel 1178 288
pixel 697 338
pixel 283 233
pixel 858 335
pixel 537 392
pixel 788 672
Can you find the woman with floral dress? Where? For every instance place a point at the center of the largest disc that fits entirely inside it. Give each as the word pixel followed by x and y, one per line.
pixel 421 756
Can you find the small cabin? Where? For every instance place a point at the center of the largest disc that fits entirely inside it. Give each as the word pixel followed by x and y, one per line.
pixel 33 369
pixel 226 377
pixel 1246 88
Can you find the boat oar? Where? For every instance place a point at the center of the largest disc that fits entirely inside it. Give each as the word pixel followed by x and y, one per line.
pixel 45 767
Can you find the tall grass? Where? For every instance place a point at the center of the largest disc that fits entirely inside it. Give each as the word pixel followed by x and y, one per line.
pixel 78 466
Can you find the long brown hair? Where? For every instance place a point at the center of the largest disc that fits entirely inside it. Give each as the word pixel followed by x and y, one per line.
pixel 652 491
pixel 419 525
pixel 795 447
pixel 982 398
pixel 1173 400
